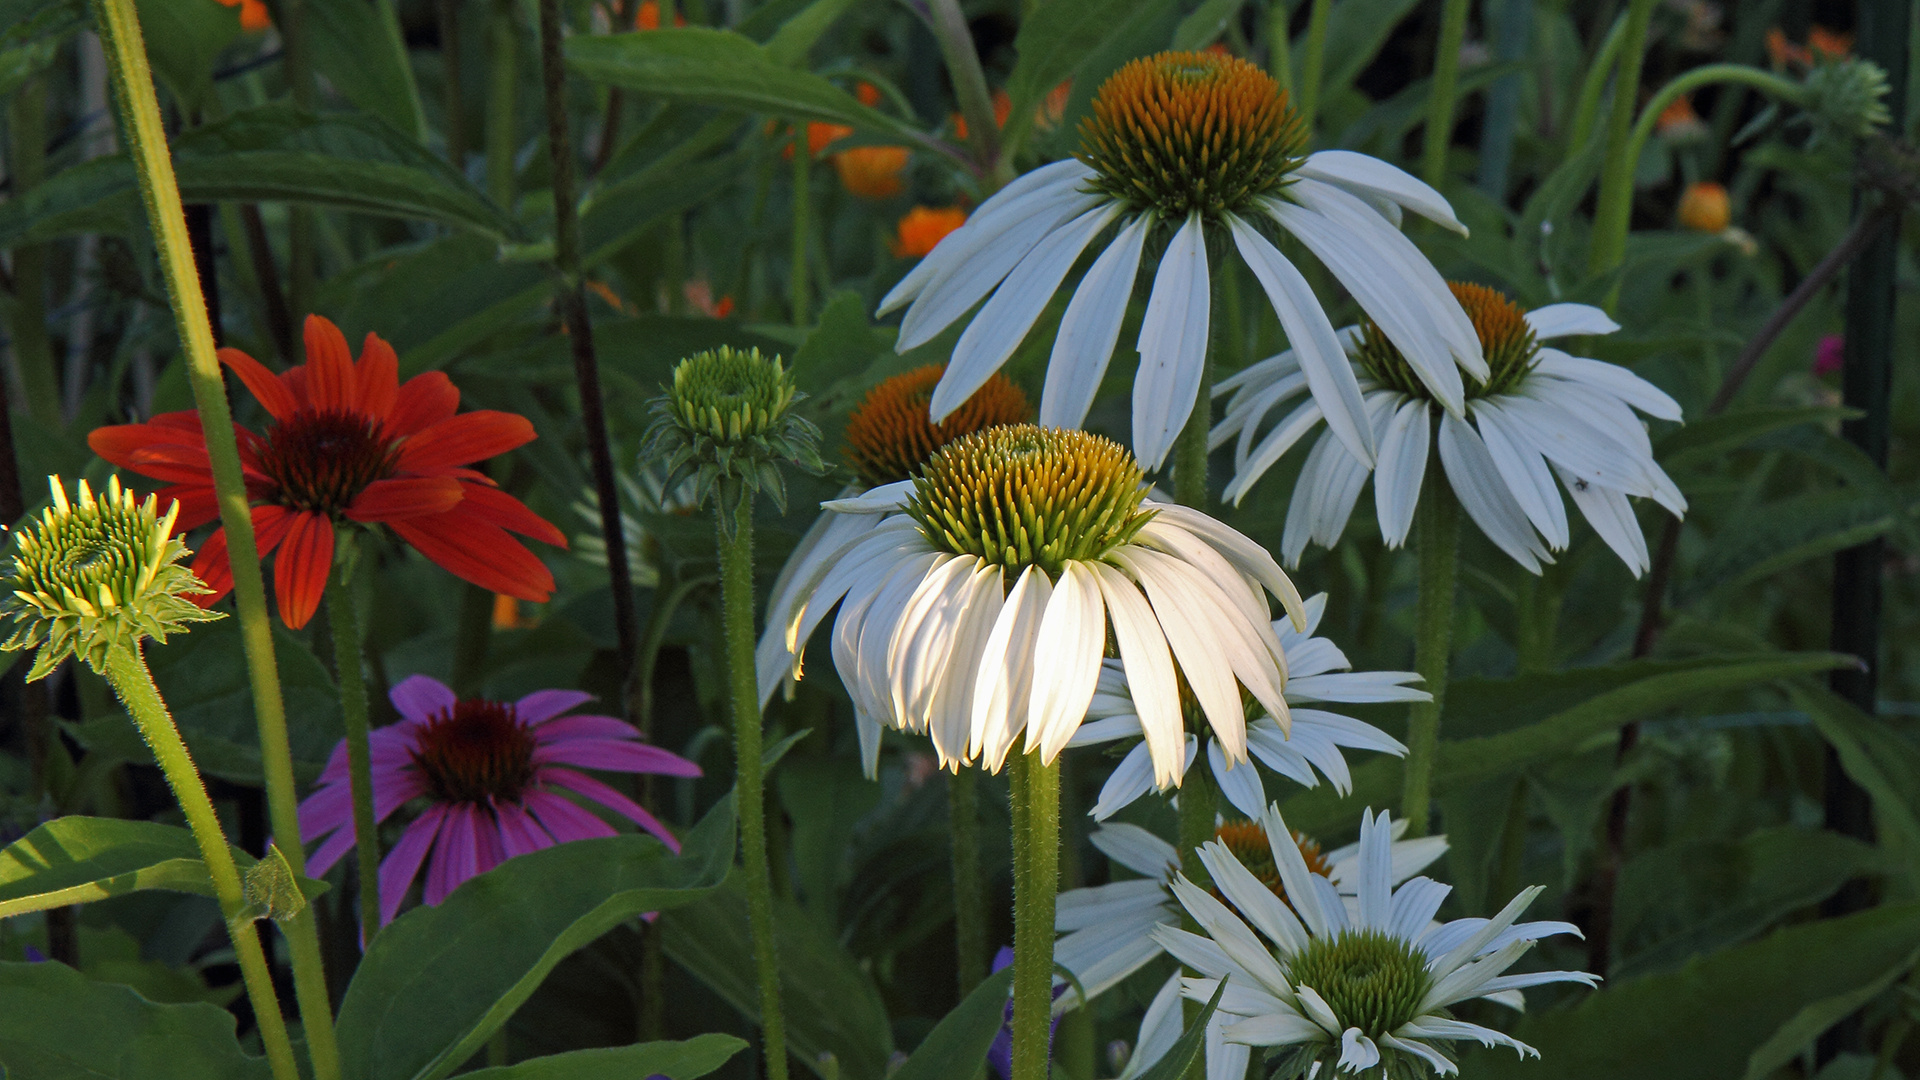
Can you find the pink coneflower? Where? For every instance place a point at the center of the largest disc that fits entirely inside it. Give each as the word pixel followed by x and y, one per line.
pixel 1830 355
pixel 492 773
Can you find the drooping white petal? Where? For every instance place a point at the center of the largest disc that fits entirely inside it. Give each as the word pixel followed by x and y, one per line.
pixel 1440 1027
pixel 1003 322
pixel 833 576
pixel 1524 471
pixel 1566 320
pixel 1341 478
pixel 1169 537
pixel 917 655
pixel 1403 464
pixel 882 625
pixel 1317 1010
pixel 1239 783
pixel 1611 515
pixel 957 245
pixel 1298 423
pixel 1253 898
pixel 1441 1066
pixel 950 718
pixel 1101 906
pixel 1361 174
pixel 1136 849
pixel 1091 327
pixel 1475 480
pixel 773 662
pixel 1066 661
pixel 971 276
pixel 1274 1029
pixel 1357 687
pixel 1357 1052
pixel 1005 677
pixel 1130 779
pixel 1315 347
pixel 1611 378
pixel 1106 729
pixel 1225 1060
pixel 1246 556
pixel 1247 413
pixel 1173 345
pixel 880 500
pixel 1159 1029
pixel 1151 679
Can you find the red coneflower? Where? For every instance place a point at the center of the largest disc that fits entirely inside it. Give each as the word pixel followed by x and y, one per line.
pixel 348 443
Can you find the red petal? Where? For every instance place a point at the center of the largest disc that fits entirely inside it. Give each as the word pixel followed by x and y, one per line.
pixel 405 497
pixel 300 570
pixel 423 400
pixel 210 566
pixel 469 437
pixel 492 504
pixel 267 389
pixel 119 442
pixel 330 381
pixel 378 375
pixel 198 505
pixel 480 552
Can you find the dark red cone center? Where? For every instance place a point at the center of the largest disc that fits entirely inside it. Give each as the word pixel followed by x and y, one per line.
pixel 475 751
pixel 321 459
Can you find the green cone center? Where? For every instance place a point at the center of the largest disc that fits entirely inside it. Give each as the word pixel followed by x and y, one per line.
pixel 1371 980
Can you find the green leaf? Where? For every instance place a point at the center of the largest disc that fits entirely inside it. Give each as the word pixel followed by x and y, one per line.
pixel 1704 1021
pixel 831 1004
pixel 75 860
pixel 689 1060
pixel 1206 24
pixel 98 196
pixel 725 69
pixel 1539 734
pixel 1708 439
pixel 789 44
pixel 357 45
pixel 1181 1055
pixel 1355 35
pixel 1797 1035
pixel 60 1025
pixel 1872 753
pixel 440 981
pixel 182 42
pixel 957 1045
pixel 825 798
pixel 1054 42
pixel 1764 539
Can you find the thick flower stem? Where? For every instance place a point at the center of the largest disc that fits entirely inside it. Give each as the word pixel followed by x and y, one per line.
pixel 1190 453
pixel 949 26
pixel 969 903
pixel 1439 549
pixel 348 659
pixel 1036 879
pixel 1199 805
pixel 1446 83
pixel 131 680
pixel 141 131
pixel 1315 62
pixel 1616 177
pixel 802 223
pixel 736 615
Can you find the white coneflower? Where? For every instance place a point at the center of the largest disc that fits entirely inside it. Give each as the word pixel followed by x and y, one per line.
pixel 980 609
pixel 1349 990
pixel 1106 928
pixel 1537 415
pixel 1317 671
pixel 1177 147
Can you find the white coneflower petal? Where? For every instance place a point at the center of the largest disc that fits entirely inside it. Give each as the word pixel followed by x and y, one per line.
pixel 1248 557
pixel 999 250
pixel 921 638
pixel 1567 320
pixel 1006 670
pixel 1066 662
pixel 1090 329
pixel 1151 679
pixel 1159 1030
pixel 1473 477
pixel 1194 641
pixel 1173 344
pixel 1240 784
pixel 961 242
pixel 1612 518
pixel 1361 175
pixel 1252 897
pixel 951 720
pixel 1613 379
pixel 1524 471
pixel 1281 439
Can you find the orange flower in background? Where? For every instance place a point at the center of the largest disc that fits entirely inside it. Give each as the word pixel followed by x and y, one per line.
pixel 648 17
pixel 1704 207
pixel 1830 44
pixel 1053 108
pixel 1679 122
pixel 923 227
pixel 348 442
pixel 1002 107
pixel 819 137
pixel 699 296
pixel 868 93
pixel 872 172
pixel 1822 44
pixel 253 14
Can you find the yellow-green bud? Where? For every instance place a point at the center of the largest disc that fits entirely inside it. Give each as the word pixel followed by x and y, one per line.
pixel 727 424
pixel 730 396
pixel 94 572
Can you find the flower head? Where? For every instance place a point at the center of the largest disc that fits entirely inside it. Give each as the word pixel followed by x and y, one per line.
pixel 348 443
pixel 1181 148
pixel 491 776
pixel 1704 207
pixel 1312 738
pixel 889 436
pixel 1679 123
pixel 1349 987
pixel 94 573
pixel 923 227
pixel 872 172
pixel 1536 414
pixel 253 14
pixel 727 423
pixel 975 601
pixel 1830 355
pixel 820 135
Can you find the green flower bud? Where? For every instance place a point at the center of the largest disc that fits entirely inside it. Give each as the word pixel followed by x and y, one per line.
pixel 94 573
pixel 1847 97
pixel 727 424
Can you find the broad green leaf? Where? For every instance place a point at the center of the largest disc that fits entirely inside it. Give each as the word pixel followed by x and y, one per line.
pixel 32 33
pixel 689 1060
pixel 1054 42
pixel 74 860
pixel 56 1024
pixel 98 196
pixel 1467 761
pixel 832 1005
pixel 357 45
pixel 1872 753
pixel 825 798
pixel 182 42
pixel 1205 24
pixel 1797 1035
pixel 790 43
pixel 636 354
pixel 440 981
pixel 1703 1021
pixel 718 67
pixel 1181 1055
pixel 957 1045
pixel 1767 538
pixel 1707 439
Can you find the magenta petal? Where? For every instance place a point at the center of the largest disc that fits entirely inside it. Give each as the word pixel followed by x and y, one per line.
pixel 420 696
pixel 332 806
pixel 614 756
pixel 543 705
pixel 488 847
pixel 612 799
pixel 388 748
pixel 453 854
pixel 519 833
pixel 585 727
pixel 403 862
pixel 565 820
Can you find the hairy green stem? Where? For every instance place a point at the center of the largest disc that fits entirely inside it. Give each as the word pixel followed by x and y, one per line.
pixel 1199 806
pixel 1586 104
pixel 32 346
pixel 1438 537
pixel 348 658
pixel 131 680
pixel 969 899
pixel 1036 879
pixel 1279 48
pixel 502 101
pixel 1616 177
pixel 802 222
pixel 119 28
pixel 1446 84
pixel 1314 64
pixel 1190 452
pixel 735 547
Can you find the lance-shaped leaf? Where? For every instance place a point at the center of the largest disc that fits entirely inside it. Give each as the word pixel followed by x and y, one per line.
pixel 689 1060
pixel 76 860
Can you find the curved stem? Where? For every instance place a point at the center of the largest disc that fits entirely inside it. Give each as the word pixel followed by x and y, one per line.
pixel 969 901
pixel 131 680
pixel 1446 82
pixel 1036 878
pixel 1315 62
pixel 735 545
pixel 1616 189
pixel 119 28
pixel 1586 106
pixel 1439 540
pixel 348 658
pixel 949 28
